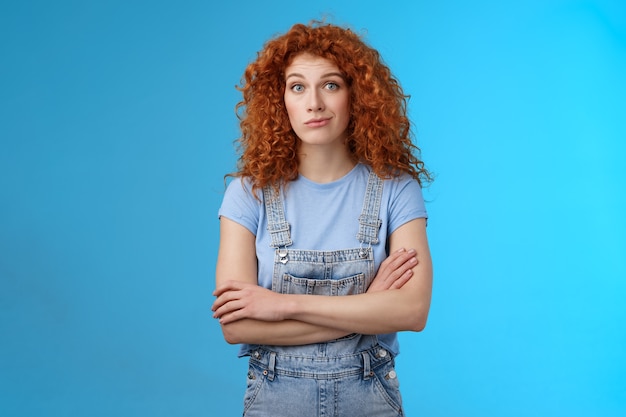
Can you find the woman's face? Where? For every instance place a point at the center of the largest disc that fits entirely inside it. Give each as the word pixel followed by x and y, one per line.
pixel 317 100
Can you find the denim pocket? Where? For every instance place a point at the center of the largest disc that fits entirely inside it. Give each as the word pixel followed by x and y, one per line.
pixel 386 381
pixel 255 381
pixel 354 284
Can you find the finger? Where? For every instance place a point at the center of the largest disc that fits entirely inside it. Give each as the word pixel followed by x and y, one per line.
pixel 408 260
pixel 233 311
pixel 399 283
pixel 413 256
pixel 395 256
pixel 231 317
pixel 398 265
pixel 392 256
pixel 401 270
pixel 221 290
pixel 224 298
pixel 392 262
pixel 227 308
pixel 219 301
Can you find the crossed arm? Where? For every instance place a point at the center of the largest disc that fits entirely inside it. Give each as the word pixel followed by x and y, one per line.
pixel 398 299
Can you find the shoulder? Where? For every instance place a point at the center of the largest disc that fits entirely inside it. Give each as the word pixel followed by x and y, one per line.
pixel 241 188
pixel 240 204
pixel 402 183
pixel 402 186
pixel 405 200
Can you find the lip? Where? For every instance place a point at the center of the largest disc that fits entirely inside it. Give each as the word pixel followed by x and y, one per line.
pixel 317 122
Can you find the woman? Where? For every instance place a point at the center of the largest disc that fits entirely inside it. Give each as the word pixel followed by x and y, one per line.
pixel 323 252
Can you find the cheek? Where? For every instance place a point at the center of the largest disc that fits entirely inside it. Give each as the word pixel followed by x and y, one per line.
pixel 291 111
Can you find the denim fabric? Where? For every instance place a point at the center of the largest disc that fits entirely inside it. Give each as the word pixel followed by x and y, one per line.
pixel 342 272
pixel 332 383
pixel 350 376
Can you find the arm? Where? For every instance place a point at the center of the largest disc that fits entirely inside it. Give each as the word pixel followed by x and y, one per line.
pixel 400 309
pixel 237 261
pixel 237 266
pixel 375 312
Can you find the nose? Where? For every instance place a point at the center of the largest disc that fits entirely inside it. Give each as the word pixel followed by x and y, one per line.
pixel 315 102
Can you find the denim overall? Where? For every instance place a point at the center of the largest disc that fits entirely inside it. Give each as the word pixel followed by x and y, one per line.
pixel 346 377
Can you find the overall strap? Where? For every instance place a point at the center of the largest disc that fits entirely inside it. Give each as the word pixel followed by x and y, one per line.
pixel 369 221
pixel 277 225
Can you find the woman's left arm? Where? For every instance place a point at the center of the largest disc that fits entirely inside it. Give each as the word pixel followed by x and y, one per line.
pixel 380 312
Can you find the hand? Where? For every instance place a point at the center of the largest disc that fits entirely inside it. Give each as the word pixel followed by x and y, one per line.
pixel 394 271
pixel 238 300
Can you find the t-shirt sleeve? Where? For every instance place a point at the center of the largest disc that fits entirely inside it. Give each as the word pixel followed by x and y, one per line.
pixel 240 205
pixel 407 202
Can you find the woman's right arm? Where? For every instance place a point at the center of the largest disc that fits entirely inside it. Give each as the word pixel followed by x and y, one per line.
pixel 237 261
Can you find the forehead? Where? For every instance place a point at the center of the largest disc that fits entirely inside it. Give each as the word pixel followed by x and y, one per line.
pixel 311 64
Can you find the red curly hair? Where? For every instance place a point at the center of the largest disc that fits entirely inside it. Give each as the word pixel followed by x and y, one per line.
pixel 379 130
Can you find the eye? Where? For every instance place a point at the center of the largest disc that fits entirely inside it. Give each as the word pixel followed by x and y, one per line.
pixel 332 86
pixel 297 88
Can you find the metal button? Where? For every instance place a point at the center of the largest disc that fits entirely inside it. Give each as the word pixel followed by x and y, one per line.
pixel 382 353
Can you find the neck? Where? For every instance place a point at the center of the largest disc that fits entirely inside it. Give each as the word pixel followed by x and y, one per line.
pixel 322 164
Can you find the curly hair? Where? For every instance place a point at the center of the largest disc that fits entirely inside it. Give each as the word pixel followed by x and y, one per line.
pixel 379 133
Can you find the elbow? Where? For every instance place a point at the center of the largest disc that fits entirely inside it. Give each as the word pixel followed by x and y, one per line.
pixel 231 335
pixel 232 340
pixel 416 319
pixel 418 324
pixel 417 314
pixel 243 331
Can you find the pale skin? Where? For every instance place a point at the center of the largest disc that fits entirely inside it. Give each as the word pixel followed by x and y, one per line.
pixel 398 298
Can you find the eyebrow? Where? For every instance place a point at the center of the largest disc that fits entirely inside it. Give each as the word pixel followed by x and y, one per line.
pixel 328 75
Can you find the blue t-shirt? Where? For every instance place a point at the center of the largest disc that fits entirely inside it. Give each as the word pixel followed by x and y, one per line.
pixel 325 217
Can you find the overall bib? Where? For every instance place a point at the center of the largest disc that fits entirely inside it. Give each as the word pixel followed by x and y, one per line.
pixel 348 377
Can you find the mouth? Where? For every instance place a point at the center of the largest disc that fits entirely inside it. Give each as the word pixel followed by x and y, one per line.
pixel 317 122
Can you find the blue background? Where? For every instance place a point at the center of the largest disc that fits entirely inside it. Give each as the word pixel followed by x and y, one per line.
pixel 116 128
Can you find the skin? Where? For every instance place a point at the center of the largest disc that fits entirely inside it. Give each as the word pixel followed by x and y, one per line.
pixel 398 298
pixel 317 100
